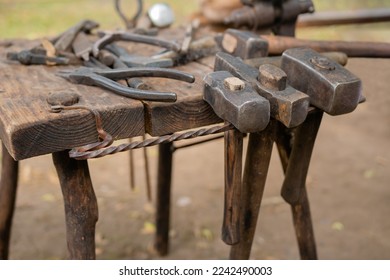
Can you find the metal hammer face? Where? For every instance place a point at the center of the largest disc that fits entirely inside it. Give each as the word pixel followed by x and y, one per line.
pixel 331 87
pixel 243 44
pixel 288 105
pixel 236 101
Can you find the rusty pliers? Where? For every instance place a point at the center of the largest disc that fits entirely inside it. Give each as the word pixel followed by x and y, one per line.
pixel 106 79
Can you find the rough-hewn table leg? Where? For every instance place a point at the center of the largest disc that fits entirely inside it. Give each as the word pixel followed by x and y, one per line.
pixel 294 186
pixel 255 174
pixel 163 198
pixel 8 187
pixel 81 210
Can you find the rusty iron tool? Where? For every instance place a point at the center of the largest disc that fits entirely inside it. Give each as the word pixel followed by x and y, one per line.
pixel 105 139
pixel 109 38
pixel 244 44
pixel 28 57
pixel 236 101
pixel 281 16
pixel 111 60
pixel 189 36
pixel 138 60
pixel 288 105
pixel 64 41
pixel 103 79
pixel 129 22
pixel 331 87
pixel 200 48
pixel 178 136
pixel 82 46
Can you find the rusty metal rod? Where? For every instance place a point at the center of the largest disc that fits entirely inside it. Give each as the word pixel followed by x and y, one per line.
pixel 344 17
pixel 75 153
pixel 278 44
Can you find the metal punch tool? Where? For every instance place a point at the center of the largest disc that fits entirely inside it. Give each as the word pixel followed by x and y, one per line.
pixel 106 79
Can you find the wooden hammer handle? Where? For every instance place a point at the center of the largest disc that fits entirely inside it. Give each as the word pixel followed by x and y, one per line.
pixel 278 44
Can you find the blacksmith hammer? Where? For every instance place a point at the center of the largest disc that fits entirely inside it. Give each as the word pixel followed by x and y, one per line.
pixel 288 105
pixel 237 102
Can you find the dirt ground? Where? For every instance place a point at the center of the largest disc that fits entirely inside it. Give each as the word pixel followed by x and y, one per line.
pixel 348 186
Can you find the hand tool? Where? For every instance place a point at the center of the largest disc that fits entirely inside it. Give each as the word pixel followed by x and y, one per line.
pixel 331 87
pixel 243 106
pixel 235 101
pixel 81 46
pixel 129 22
pixel 202 47
pixel 28 57
pixel 113 61
pixel 244 44
pixel 138 60
pixel 102 78
pixel 137 38
pixel 64 41
pixel 288 105
pixel 281 16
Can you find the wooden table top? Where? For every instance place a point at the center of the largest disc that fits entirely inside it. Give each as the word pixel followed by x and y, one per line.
pixel 28 128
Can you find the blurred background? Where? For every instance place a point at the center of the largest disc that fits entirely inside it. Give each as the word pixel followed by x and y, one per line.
pixel 35 18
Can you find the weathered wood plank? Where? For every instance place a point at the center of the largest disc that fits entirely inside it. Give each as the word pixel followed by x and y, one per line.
pixel 28 128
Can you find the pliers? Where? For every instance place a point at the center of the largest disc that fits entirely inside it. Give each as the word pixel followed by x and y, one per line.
pixel 106 79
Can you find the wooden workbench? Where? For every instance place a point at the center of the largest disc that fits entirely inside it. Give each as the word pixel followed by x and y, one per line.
pixel 28 128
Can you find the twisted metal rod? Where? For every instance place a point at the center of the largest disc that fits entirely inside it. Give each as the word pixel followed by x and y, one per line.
pixel 83 155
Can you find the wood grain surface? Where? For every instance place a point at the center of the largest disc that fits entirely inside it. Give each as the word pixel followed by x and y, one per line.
pixel 28 128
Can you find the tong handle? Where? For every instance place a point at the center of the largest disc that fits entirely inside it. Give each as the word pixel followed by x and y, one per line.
pixel 118 74
pixel 106 83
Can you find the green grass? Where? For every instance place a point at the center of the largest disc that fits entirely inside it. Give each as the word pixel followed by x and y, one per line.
pixel 37 18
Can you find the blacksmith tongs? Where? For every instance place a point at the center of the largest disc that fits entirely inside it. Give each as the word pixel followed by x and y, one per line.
pixel 106 79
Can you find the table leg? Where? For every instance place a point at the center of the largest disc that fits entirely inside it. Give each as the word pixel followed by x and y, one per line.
pixel 255 174
pixel 163 198
pixel 295 161
pixel 8 187
pixel 81 210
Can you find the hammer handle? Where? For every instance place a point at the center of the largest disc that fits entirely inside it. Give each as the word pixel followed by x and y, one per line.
pixel 233 170
pixel 278 44
pixel 298 164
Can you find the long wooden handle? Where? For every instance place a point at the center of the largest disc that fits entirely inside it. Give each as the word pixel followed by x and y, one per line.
pixel 233 170
pixel 278 44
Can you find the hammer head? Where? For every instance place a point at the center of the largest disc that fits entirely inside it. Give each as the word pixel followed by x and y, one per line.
pixel 288 105
pixel 331 87
pixel 235 101
pixel 243 44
